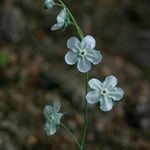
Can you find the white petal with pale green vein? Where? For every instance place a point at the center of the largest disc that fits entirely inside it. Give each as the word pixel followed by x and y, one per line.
pixel 110 82
pixel 83 65
pixel 94 56
pixel 50 128
pixel 95 84
pixel 92 97
pixel 88 42
pixel 116 94
pixel 106 104
pixel 71 58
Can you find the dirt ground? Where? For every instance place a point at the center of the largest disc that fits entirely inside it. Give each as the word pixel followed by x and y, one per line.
pixel 33 74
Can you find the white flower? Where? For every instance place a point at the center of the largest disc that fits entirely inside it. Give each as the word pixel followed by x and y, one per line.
pixel 53 117
pixel 82 53
pixel 62 20
pixel 48 4
pixel 104 92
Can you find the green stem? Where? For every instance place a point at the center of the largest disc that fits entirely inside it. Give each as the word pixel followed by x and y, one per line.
pixel 70 133
pixel 74 21
pixel 56 4
pixel 85 128
pixel 86 113
pixel 86 91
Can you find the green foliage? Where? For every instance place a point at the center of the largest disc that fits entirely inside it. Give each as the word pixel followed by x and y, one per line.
pixel 3 59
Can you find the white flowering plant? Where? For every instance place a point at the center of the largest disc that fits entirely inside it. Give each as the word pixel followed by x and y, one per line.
pixel 83 52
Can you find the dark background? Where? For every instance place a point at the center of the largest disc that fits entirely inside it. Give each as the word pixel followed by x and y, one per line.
pixel 33 73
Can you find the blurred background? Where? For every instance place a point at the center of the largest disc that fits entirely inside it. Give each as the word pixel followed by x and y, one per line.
pixel 33 73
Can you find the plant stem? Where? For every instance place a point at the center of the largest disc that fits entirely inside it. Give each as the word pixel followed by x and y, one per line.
pixel 86 90
pixel 70 133
pixel 56 4
pixel 86 113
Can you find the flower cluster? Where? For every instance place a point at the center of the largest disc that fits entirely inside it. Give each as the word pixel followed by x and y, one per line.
pixel 62 19
pixel 83 53
pixel 53 117
pixel 104 92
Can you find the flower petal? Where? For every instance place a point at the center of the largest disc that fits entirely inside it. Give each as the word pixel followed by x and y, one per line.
pixel 50 128
pixel 56 106
pixel 73 44
pixel 92 97
pixel 110 82
pixel 94 56
pixel 83 65
pixel 56 26
pixel 106 104
pixel 48 110
pixel 48 4
pixel 95 84
pixel 61 18
pixel 58 117
pixel 116 94
pixel 71 58
pixel 88 42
